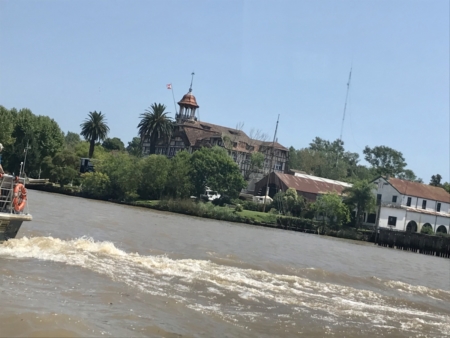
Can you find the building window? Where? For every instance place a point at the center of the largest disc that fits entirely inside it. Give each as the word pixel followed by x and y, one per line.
pixel 171 151
pixel 408 202
pixel 392 220
pixel 371 218
pixel 278 166
pixel 438 208
pixel 424 204
pixel 378 199
pixel 394 199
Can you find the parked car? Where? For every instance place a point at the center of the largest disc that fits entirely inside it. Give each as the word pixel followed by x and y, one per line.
pixel 210 195
pixel 260 199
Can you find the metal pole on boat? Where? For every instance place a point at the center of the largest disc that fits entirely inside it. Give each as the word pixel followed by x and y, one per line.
pixel 22 168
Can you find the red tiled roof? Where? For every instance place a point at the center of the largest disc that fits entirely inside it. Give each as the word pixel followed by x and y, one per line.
pixel 420 190
pixel 311 184
pixel 197 131
pixel 195 134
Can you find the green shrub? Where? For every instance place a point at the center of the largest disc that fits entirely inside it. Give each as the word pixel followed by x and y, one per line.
pixel 427 231
pixel 294 222
pixel 96 185
pixel 239 208
pixel 207 210
pixel 252 206
pixel 442 234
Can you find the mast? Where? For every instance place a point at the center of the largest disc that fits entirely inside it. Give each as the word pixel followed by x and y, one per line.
pixel 345 105
pixel 192 80
pixel 22 164
pixel 271 164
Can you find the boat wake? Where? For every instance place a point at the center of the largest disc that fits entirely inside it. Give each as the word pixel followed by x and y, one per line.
pixel 238 295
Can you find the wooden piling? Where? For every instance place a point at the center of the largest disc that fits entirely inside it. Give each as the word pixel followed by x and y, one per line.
pixel 414 242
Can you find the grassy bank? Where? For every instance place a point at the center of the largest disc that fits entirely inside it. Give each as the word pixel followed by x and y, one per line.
pixel 208 210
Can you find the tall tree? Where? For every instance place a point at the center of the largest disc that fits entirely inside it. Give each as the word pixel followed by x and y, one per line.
pixel 155 171
pixel 293 203
pixel 7 122
pixel 114 143
pixel 446 187
pixel 179 181
pixel 61 168
pixel 82 150
pixel 93 129
pixel 213 167
pixel 294 162
pixel 41 134
pixel 408 175
pixel 124 173
pixel 331 208
pixel 255 165
pixel 134 147
pixel 361 197
pixel 71 140
pixel 154 125
pixel 436 180
pixel 385 160
pixel 325 159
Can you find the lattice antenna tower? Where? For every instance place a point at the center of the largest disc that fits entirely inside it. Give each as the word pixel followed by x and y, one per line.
pixel 345 105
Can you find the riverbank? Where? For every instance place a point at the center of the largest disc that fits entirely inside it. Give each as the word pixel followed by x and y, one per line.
pixel 226 213
pixel 416 242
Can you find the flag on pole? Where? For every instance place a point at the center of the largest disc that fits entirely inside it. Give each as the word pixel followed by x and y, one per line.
pixel 169 86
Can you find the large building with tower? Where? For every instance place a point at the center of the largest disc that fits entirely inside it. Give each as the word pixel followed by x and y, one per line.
pixel 191 134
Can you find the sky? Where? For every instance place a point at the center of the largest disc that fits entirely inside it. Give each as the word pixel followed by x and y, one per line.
pixel 252 61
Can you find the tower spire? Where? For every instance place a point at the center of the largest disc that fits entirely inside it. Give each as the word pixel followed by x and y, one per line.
pixel 192 80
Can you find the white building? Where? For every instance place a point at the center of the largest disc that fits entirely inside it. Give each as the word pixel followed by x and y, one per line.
pixel 410 206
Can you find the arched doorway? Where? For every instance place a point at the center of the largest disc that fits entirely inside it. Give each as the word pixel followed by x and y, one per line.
pixel 441 229
pixel 426 229
pixel 411 227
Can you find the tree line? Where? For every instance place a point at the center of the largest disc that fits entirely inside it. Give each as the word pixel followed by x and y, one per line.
pixel 122 172
pixel 330 160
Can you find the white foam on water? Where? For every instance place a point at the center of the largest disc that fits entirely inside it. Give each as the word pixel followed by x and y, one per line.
pixel 214 290
pixel 229 287
pixel 416 289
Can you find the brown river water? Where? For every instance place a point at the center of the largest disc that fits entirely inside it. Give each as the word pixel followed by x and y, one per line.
pixel 95 269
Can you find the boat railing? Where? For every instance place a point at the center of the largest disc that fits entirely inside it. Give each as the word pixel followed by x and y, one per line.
pixel 7 184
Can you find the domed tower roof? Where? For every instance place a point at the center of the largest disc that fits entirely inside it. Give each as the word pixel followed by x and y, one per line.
pixel 189 100
pixel 188 106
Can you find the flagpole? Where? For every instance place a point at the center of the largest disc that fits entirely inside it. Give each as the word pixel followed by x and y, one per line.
pixel 173 96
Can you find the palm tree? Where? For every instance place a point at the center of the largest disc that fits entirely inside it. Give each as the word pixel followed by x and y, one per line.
pixel 155 124
pixel 360 195
pixel 94 129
